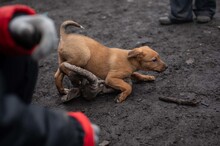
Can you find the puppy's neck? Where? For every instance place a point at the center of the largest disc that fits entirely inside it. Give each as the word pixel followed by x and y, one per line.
pixel 134 64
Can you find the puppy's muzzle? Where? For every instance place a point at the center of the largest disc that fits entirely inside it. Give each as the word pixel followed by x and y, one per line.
pixel 163 68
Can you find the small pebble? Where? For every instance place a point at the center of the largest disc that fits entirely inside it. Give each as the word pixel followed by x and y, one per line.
pixel 130 1
pixel 190 61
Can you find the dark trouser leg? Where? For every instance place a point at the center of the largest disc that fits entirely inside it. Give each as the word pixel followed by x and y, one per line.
pixel 205 8
pixel 19 76
pixel 181 11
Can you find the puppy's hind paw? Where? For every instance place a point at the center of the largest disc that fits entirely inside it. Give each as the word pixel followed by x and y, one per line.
pixel 116 100
pixel 119 99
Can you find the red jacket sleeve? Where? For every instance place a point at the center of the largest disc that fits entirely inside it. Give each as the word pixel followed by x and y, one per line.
pixel 7 44
pixel 86 125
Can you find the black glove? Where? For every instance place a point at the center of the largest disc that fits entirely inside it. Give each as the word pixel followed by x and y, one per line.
pixel 31 30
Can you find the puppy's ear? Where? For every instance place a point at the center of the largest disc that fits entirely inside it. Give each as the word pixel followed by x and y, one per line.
pixel 135 53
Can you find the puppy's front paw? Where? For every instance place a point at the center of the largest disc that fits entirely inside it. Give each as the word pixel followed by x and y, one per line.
pixel 149 78
pixel 152 78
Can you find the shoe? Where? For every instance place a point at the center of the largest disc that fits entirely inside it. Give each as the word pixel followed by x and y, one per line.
pixel 165 21
pixel 203 19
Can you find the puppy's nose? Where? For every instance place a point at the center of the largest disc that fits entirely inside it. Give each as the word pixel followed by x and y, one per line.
pixel 165 67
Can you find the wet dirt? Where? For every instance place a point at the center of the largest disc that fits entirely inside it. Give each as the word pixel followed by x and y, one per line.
pixel 191 50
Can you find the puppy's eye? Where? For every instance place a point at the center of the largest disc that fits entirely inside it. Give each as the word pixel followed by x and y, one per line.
pixel 154 59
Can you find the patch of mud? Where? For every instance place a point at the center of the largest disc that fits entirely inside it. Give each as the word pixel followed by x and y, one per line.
pixel 191 51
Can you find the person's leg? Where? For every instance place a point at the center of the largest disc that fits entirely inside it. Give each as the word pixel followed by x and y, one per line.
pixel 204 10
pixel 181 11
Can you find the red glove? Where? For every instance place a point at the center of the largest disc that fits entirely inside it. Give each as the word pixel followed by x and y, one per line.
pixel 7 44
pixel 21 33
pixel 91 131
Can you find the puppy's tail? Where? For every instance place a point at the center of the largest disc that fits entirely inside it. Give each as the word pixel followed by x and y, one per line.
pixel 67 23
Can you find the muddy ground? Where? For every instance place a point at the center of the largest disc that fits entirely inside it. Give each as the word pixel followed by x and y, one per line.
pixel 192 52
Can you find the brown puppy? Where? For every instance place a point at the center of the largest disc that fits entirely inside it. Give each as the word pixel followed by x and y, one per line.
pixel 110 64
